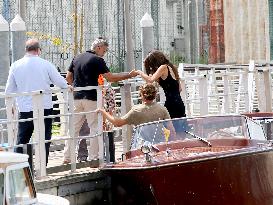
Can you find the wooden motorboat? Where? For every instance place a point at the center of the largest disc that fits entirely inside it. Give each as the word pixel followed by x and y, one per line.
pixel 214 160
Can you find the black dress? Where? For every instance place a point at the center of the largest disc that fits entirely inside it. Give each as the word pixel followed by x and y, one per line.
pixel 173 103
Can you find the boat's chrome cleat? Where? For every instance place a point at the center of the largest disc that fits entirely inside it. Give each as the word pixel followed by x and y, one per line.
pixel 168 152
pixel 146 149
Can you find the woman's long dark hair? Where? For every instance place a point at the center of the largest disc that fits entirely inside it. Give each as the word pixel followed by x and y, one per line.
pixel 154 60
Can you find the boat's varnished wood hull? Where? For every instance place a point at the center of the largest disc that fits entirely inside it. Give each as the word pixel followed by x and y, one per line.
pixel 243 179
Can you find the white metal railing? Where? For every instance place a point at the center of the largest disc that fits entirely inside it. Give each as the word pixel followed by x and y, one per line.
pixel 223 89
pixel 38 120
pixel 207 89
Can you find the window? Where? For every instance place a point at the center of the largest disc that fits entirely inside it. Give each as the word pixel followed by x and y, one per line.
pixel 20 186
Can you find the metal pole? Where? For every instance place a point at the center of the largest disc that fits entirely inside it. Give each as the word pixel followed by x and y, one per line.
pixel 100 17
pixel 147 35
pixel 18 37
pixel 155 16
pixel 129 41
pixel 4 55
pixel 22 9
pixel 100 127
pixel 197 30
pixel 126 99
pixel 187 30
pixel 75 27
pixel 6 9
pixel 120 36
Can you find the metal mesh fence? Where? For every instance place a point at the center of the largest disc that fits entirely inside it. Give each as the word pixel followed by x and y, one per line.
pixel 66 28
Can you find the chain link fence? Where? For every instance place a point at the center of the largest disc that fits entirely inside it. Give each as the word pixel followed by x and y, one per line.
pixel 66 28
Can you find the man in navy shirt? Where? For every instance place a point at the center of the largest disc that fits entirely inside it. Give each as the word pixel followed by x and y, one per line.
pixel 83 71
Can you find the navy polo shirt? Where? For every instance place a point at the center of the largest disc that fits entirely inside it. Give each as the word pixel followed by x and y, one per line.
pixel 86 69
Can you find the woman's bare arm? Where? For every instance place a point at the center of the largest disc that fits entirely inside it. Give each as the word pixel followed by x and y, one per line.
pixel 117 122
pixel 180 86
pixel 161 71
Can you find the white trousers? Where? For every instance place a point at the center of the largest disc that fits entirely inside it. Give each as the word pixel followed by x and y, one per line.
pixel 84 105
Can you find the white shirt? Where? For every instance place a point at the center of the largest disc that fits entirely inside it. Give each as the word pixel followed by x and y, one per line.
pixel 32 73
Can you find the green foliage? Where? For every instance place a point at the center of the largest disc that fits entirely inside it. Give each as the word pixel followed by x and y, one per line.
pixel 203 59
pixel 115 69
pixel 55 129
pixel 176 59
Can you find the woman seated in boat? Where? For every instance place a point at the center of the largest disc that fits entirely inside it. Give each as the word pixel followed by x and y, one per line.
pixel 148 111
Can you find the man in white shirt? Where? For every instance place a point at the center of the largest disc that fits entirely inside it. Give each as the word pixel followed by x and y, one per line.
pixel 32 73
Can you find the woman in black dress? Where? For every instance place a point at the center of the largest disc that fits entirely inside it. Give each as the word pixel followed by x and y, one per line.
pixel 160 69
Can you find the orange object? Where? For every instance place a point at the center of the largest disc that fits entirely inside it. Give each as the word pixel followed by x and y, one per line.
pixel 101 80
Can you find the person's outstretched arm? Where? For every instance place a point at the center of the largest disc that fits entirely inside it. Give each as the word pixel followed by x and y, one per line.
pixel 55 76
pixel 114 77
pixel 117 122
pixel 150 79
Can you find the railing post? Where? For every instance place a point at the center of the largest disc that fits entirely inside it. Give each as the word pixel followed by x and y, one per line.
pixel 232 99
pixel 39 134
pixel 183 95
pixel 106 147
pixel 260 90
pixel 63 110
pixel 100 127
pixel 203 92
pixel 214 88
pixel 268 89
pixel 71 133
pixel 11 123
pixel 226 94
pixel 263 84
pixel 244 82
pixel 126 104
pixel 249 86
pixel 181 70
pixel 161 96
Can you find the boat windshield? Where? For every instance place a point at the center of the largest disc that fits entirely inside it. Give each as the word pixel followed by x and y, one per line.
pixel 200 128
pixel 21 187
pixel 1 187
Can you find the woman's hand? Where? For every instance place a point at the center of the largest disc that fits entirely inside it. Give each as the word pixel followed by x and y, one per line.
pixel 140 72
pixel 133 73
pixel 100 110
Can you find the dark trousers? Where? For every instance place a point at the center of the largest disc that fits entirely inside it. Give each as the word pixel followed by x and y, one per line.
pixel 25 130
